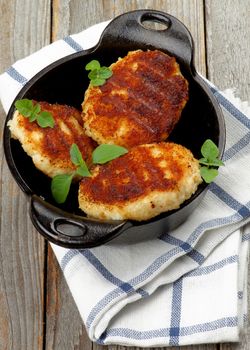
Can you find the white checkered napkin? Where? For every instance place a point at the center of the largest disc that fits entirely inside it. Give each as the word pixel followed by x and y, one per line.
pixel 187 286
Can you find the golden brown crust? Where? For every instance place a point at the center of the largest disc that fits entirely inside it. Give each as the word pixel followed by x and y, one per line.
pixel 49 147
pixel 140 103
pixel 148 180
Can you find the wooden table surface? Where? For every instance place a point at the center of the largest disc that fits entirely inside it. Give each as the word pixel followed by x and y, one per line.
pixel 37 309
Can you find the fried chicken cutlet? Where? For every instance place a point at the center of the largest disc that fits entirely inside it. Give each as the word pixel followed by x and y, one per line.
pixel 150 179
pixel 49 147
pixel 139 104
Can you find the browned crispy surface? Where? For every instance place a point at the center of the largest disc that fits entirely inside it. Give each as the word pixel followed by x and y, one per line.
pixel 136 173
pixel 57 141
pixel 148 180
pixel 140 103
pixel 49 147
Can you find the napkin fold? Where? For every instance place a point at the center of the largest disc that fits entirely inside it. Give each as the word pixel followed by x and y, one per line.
pixel 189 285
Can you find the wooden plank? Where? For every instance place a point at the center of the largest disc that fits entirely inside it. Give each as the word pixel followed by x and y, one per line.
pixel 64 327
pixel 228 32
pixel 21 248
pixel 73 17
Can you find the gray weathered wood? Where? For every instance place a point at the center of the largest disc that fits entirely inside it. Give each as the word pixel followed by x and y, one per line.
pixel 21 248
pixel 228 33
pixel 228 63
pixel 75 16
pixel 65 329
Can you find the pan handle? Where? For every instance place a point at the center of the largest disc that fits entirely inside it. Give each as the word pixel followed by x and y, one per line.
pixel 72 231
pixel 129 31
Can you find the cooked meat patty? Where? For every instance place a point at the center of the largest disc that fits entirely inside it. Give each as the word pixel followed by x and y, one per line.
pixel 49 147
pixel 140 103
pixel 148 180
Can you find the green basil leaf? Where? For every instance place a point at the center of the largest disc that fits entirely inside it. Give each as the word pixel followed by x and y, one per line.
pixel 104 153
pixel 105 73
pixel 98 74
pixel 214 162
pixel 75 155
pixel 32 117
pixel 83 170
pixel 204 161
pixel 208 174
pixel 94 64
pixel 60 187
pixel 93 74
pixel 36 109
pixel 102 73
pixel 97 82
pixel 24 107
pixel 209 150
pixel 45 119
pixel 34 112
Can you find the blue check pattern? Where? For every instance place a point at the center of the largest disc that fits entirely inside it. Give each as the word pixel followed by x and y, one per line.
pixel 171 247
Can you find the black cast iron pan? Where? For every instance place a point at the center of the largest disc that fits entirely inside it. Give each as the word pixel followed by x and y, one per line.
pixel 65 82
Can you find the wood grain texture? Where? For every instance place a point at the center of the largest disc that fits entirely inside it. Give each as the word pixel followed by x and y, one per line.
pixel 228 63
pixel 64 327
pixel 228 33
pixel 21 248
pixel 76 15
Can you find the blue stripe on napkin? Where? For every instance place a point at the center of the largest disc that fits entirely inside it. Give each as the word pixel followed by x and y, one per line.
pixel 229 200
pixel 152 268
pixel 124 286
pixel 165 332
pixel 225 322
pixel 191 252
pixel 204 270
pixel 246 237
pixel 235 112
pixel 73 44
pixel 175 330
pixel 14 74
pixel 237 147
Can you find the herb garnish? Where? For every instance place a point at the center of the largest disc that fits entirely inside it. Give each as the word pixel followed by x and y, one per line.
pixel 98 75
pixel 60 184
pixel 76 158
pixel 33 111
pixel 60 187
pixel 210 161
pixel 104 153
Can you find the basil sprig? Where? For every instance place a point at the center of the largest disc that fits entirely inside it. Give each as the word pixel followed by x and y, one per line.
pixel 98 75
pixel 60 184
pixel 33 112
pixel 210 161
pixel 76 158
pixel 60 187
pixel 105 153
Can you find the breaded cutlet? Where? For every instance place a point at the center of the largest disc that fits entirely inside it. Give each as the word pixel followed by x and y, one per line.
pixel 50 147
pixel 140 103
pixel 148 180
